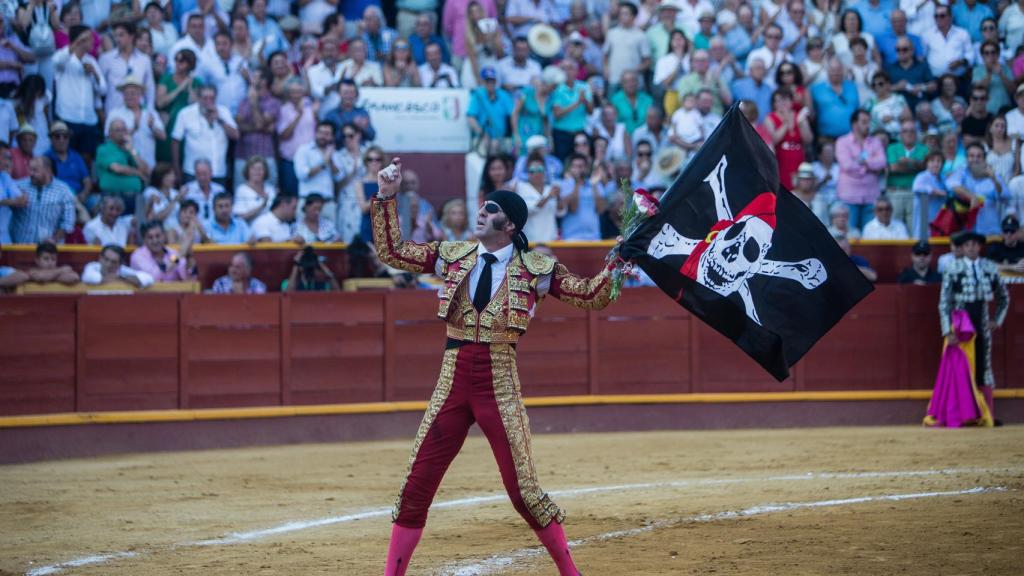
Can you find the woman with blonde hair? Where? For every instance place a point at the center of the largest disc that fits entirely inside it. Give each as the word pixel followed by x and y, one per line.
pixel 484 45
pixel 254 196
pixel 400 70
pixel 454 224
pixel 366 188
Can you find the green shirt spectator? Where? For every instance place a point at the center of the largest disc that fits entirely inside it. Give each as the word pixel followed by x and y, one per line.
pixel 118 170
pixel 896 152
pixel 631 103
pixel 565 96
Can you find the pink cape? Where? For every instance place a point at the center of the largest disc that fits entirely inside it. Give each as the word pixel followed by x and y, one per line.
pixel 956 400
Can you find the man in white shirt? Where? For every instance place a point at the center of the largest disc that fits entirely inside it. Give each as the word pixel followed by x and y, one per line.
pixel 203 130
pixel 772 53
pixel 109 226
pixel 434 73
pixel 517 70
pixel 625 48
pixel 360 70
pixel 327 72
pixel 225 70
pixel 194 39
pixel 124 61
pixel 214 19
pixel 1015 117
pixel 80 87
pixel 110 268
pixel 278 225
pixel 318 165
pixel 203 190
pixel 149 128
pixel 882 226
pixel 948 47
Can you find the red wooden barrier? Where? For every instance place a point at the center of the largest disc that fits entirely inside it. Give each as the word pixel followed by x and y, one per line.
pixel 194 351
pixel 230 351
pixel 333 347
pixel 128 352
pixel 37 354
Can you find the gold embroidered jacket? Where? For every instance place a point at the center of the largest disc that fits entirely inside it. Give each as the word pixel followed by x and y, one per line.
pixel 528 278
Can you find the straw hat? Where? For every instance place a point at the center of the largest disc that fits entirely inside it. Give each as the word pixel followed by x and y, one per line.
pixel 544 40
pixel 668 161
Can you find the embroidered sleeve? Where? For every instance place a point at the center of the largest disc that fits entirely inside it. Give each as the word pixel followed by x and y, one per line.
pixel 387 238
pixel 946 301
pixel 584 293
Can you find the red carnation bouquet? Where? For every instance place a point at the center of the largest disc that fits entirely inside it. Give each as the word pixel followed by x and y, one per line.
pixel 639 205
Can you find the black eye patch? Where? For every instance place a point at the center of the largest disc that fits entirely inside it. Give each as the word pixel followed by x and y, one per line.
pixel 492 208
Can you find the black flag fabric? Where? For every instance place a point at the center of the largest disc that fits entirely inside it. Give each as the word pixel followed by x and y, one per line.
pixel 743 254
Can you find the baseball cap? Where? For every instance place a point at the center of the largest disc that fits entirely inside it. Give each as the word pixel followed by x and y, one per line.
pixel 1010 224
pixel 576 37
pixel 1020 89
pixel 805 170
pixel 488 73
pixel 536 141
pixel 921 247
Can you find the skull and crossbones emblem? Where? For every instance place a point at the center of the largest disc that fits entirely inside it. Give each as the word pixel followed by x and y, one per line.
pixel 736 247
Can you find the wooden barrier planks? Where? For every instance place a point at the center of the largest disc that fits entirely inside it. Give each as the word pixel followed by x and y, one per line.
pixel 37 354
pixel 128 352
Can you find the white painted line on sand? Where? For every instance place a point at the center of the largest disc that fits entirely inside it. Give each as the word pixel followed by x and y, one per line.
pixel 502 561
pixel 299 525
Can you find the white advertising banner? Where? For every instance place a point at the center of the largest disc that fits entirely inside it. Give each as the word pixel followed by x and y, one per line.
pixel 418 119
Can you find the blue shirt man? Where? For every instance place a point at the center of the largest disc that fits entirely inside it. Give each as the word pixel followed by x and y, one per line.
pixel 490 107
pixel 581 220
pixel 976 179
pixel 875 16
pixel 834 109
pixel 886 45
pixel 418 48
pixel 969 15
pixel 8 192
pixel 565 96
pixel 71 170
pixel 759 93
pixel 224 227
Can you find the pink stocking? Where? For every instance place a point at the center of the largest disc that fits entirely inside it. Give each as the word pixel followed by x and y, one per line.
pixel 403 542
pixel 553 538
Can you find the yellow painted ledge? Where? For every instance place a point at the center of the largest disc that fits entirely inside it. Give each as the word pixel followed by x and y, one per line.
pixel 144 416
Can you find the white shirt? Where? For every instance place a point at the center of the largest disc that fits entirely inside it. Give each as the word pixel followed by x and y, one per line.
pixel 269 226
pixel 942 49
pixel 504 255
pixel 142 136
pixel 195 193
pixel 307 158
pixel 875 230
pixel 161 203
pixel 200 139
pixel 541 224
pixel 164 38
pixel 428 75
pixel 93 274
pixel 78 93
pixel 689 15
pixel 771 61
pixel 186 41
pixel 1011 26
pixel 8 122
pixel 1015 123
pixel 247 200
pixel 370 71
pixel 115 69
pixel 226 76
pixel 321 78
pixel 96 232
pixel 687 125
pixel 511 74
pixel 920 16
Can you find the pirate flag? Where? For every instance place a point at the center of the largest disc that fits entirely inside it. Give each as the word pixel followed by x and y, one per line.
pixel 740 252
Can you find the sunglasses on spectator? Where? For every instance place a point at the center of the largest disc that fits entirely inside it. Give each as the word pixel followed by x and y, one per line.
pixel 491 207
pixel 350 134
pixel 883 209
pixel 60 136
pixel 643 154
pixel 374 159
pixel 773 36
pixel 879 83
pixel 942 14
pixel 903 48
pixel 535 170
pixel 989 52
pixel 988 28
pixel 979 98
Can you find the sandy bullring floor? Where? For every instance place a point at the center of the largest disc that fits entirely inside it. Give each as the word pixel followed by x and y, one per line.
pixel 858 501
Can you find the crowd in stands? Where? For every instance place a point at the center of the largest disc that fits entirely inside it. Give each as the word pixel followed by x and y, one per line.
pixel 186 122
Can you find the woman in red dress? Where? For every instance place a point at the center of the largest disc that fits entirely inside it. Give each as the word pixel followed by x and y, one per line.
pixel 790 132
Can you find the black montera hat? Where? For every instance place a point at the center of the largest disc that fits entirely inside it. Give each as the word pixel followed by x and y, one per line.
pixel 515 208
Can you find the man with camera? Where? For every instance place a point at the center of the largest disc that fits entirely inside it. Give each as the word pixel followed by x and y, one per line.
pixel 491 289
pixel 310 274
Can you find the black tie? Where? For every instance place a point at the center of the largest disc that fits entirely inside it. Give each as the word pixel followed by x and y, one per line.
pixel 483 288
